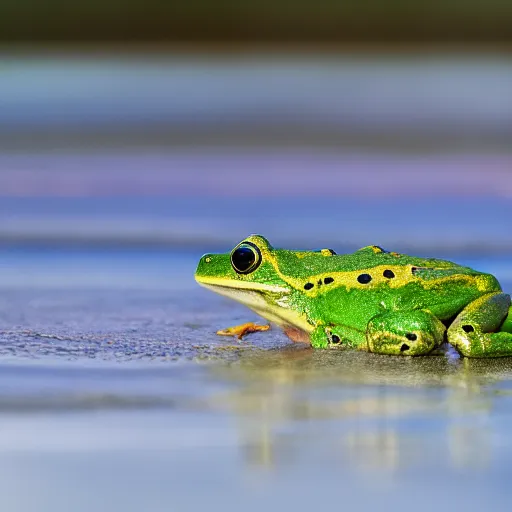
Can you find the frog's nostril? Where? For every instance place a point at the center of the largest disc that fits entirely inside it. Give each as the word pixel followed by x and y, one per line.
pixel 404 348
pixel 206 258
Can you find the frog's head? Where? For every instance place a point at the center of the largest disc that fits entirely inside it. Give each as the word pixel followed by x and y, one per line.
pixel 250 274
pixel 245 274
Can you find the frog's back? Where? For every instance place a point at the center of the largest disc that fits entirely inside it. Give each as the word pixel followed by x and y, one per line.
pixel 429 276
pixel 310 263
pixel 351 288
pixel 373 256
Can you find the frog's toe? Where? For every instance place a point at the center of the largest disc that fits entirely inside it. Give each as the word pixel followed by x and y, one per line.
pixel 241 330
pixel 470 341
pixel 411 334
pixel 481 328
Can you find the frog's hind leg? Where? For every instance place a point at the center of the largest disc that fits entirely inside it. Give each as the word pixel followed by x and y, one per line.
pixel 408 333
pixel 480 329
pixel 506 326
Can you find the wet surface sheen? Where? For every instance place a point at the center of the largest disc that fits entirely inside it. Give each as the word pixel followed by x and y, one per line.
pixel 112 378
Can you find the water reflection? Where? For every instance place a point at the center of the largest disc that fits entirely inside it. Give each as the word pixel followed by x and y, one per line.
pixel 366 412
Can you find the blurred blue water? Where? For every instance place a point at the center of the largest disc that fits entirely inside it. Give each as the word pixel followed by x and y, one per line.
pixel 115 392
pixel 429 225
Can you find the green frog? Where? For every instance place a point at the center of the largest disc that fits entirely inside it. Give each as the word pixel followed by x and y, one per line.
pixel 373 300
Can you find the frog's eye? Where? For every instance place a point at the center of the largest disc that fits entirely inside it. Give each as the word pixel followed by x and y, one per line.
pixel 245 258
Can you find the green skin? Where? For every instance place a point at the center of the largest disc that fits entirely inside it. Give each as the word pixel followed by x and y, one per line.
pixel 371 300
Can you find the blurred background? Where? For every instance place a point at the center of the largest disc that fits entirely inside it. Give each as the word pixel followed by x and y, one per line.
pixel 136 136
pixel 192 125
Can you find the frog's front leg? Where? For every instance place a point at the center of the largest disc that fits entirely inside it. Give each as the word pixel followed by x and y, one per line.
pixel 405 333
pixel 337 336
pixel 476 330
pixel 241 330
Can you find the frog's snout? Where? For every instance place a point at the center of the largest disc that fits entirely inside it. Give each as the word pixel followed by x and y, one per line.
pixel 213 266
pixel 205 260
pixel 204 266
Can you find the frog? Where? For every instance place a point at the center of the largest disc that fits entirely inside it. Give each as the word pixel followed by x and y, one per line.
pixel 371 300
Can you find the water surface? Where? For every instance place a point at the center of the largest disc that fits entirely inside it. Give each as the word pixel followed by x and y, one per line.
pixel 112 379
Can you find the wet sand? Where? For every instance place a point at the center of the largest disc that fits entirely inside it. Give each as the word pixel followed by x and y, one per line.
pixel 116 382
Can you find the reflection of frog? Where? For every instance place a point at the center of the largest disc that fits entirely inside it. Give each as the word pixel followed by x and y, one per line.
pixel 372 300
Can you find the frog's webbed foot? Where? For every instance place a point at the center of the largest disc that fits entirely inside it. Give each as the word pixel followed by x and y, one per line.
pixel 476 330
pixel 406 333
pixel 241 330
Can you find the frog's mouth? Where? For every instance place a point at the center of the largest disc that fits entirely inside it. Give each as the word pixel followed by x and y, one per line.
pixel 213 284
pixel 269 301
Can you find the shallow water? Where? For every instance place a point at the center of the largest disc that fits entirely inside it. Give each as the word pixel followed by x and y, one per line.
pixel 113 380
pixel 115 392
